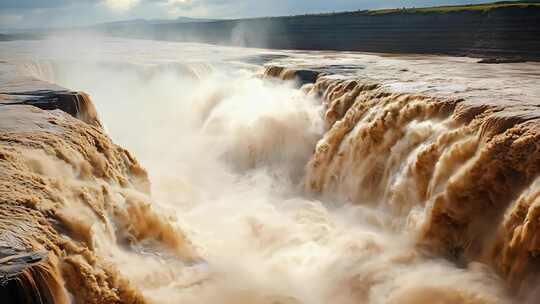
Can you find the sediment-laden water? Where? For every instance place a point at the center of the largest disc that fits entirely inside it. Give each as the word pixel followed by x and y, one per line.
pixel 350 189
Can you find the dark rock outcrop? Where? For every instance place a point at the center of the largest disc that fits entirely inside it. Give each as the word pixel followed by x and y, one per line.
pixel 27 269
pixel 301 76
pixel 501 60
pixel 50 97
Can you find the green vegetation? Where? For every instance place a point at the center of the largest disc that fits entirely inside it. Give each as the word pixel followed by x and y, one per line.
pixel 470 7
pixel 441 9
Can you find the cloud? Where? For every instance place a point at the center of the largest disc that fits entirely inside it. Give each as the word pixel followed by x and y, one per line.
pixel 179 2
pixel 49 4
pixel 209 8
pixel 37 13
pixel 32 4
pixel 121 5
pixel 8 20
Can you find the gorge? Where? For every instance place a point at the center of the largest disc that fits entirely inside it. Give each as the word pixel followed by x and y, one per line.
pixel 190 173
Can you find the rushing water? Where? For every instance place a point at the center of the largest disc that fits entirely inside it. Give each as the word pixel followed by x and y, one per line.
pixel 232 164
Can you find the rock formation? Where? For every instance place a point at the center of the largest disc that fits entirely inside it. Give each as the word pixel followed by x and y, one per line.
pixel 509 32
pixel 460 175
pixel 468 169
pixel 68 196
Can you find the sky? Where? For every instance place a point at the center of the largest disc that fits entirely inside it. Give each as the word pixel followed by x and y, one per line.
pixel 62 13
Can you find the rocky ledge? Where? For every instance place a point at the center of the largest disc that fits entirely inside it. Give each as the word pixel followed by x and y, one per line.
pixel 472 165
pixel 61 176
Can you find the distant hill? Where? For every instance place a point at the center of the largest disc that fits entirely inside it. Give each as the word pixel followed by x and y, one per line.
pixel 156 21
pixel 20 36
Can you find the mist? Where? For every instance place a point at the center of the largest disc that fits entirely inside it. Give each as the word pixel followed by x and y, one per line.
pixel 230 157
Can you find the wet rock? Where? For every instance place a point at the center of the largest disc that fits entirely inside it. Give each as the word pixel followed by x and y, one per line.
pixel 501 60
pixel 301 76
pixel 77 104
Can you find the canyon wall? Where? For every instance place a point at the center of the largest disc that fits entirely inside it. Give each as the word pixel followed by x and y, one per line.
pixel 506 32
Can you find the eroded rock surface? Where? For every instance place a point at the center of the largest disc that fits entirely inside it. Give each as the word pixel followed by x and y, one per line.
pixel 67 191
pixel 455 166
pixel 470 166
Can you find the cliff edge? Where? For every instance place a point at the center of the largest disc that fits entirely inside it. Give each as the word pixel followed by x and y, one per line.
pixel 496 31
pixel 69 198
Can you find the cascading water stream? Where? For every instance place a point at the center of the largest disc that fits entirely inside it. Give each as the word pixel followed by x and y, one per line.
pixel 339 192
